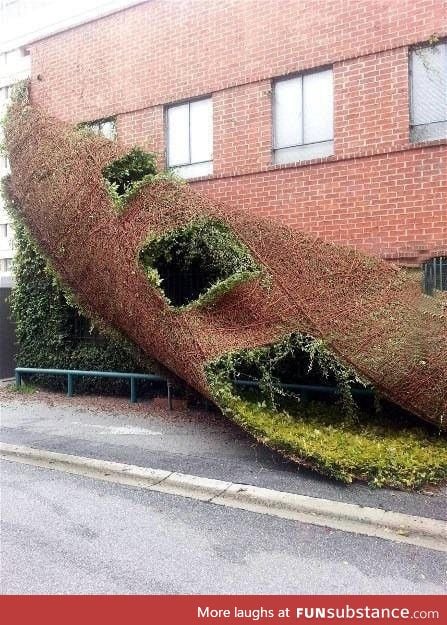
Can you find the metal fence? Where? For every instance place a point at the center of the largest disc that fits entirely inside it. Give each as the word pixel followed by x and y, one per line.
pixel 435 275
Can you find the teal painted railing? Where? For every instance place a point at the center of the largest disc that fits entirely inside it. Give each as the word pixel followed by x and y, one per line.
pixel 73 373
pixel 303 389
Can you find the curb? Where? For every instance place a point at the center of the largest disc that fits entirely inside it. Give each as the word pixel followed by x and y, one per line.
pixel 375 522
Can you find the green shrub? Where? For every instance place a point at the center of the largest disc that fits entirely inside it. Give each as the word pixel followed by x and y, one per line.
pixel 123 173
pixel 43 316
pixel 295 359
pixel 125 176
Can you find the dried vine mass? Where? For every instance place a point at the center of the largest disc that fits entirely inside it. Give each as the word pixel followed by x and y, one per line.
pixel 266 282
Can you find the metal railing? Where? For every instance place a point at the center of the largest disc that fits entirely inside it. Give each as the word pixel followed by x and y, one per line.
pixel 73 373
pixel 303 389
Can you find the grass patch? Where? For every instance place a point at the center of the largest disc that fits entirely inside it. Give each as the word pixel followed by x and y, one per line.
pixel 24 388
pixel 373 449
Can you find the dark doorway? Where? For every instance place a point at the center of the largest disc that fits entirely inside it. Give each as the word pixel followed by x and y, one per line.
pixel 7 336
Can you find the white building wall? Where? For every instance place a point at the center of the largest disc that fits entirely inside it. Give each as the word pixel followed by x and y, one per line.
pixel 14 67
pixel 21 22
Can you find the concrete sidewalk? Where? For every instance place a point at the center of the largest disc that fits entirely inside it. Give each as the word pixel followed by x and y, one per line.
pixel 199 443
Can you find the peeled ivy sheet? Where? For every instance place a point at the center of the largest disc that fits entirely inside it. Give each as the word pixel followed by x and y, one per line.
pixel 191 281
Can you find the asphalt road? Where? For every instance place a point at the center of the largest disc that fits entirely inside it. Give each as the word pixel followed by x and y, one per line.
pixel 63 533
pixel 206 444
pixel 66 534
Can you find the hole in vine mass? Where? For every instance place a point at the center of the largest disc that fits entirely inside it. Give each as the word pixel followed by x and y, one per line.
pixel 202 257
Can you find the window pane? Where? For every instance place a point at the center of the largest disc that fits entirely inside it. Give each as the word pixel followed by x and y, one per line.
pixel 288 113
pixel 318 107
pixel 201 128
pixel 5 264
pixel 178 135
pixel 429 85
pixel 4 164
pixel 13 56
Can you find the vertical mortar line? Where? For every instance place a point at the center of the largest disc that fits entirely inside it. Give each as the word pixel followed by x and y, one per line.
pixel 302 110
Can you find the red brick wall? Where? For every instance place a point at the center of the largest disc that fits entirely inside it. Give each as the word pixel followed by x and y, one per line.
pixel 144 127
pixel 391 204
pixel 378 192
pixel 371 108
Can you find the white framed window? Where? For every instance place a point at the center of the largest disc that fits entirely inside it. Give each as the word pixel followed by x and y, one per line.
pixel 13 56
pixel 4 165
pixel 4 94
pixel 104 127
pixel 14 61
pixel 5 264
pixel 4 99
pixel 5 3
pixel 189 129
pixel 3 231
pixel 303 118
pixel 428 93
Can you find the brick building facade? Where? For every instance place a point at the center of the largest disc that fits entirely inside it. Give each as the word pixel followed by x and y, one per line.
pixel 379 189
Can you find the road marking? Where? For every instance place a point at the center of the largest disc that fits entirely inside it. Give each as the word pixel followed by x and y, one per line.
pixel 347 517
pixel 118 429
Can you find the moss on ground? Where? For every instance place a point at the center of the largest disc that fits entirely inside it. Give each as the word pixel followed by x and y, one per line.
pixel 24 388
pixel 375 449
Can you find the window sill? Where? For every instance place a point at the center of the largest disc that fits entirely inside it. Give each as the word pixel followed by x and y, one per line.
pixel 193 170
pixel 303 153
pixel 426 143
pixel 303 162
pixel 204 178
